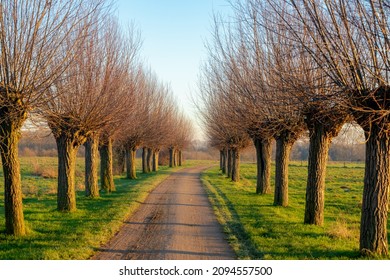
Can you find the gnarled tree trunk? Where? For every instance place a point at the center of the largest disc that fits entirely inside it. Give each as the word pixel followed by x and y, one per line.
pixel 321 134
pixel 9 138
pixel 91 166
pixel 171 157
pixel 229 163
pixel 67 146
pixel 119 160
pixel 225 161
pixel 180 157
pixel 149 160
pixel 144 160
pixel 283 149
pixel 263 162
pixel 106 175
pixel 373 228
pixel 156 153
pixel 131 171
pixel 235 165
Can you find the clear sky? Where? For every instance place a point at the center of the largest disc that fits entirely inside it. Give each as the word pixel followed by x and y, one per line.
pixel 173 33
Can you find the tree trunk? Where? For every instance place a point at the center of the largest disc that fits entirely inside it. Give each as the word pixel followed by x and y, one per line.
pixel 91 166
pixel 144 160
pixel 263 156
pixel 175 157
pixel 66 195
pixel 13 204
pixel 171 157
pixel 229 163
pixel 225 161
pixel 315 188
pixel 149 160
pixel 283 149
pixel 119 160
pixel 220 159
pixel 373 228
pixel 156 153
pixel 106 175
pixel 235 165
pixel 131 170
pixel 180 157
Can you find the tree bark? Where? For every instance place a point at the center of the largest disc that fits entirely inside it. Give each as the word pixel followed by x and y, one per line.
pixel 283 149
pixel 263 162
pixel 13 204
pixel 175 157
pixel 149 160
pixel 67 147
pixel 225 161
pixel 131 170
pixel 180 157
pixel 229 163
pixel 315 189
pixel 235 165
pixel 144 160
pixel 171 157
pixel 91 166
pixel 156 153
pixel 373 228
pixel 220 159
pixel 106 174
pixel 119 160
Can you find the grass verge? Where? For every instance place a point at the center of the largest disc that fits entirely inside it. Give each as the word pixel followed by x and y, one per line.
pixel 258 230
pixel 54 235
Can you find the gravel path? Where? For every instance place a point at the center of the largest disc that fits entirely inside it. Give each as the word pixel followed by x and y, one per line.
pixel 176 222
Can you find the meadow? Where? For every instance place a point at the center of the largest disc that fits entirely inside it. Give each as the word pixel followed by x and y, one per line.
pixel 55 235
pixel 259 230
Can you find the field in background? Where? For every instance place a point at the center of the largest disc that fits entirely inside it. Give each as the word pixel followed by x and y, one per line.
pixel 259 230
pixel 55 235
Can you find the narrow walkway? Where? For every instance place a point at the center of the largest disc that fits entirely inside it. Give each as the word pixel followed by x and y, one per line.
pixel 176 222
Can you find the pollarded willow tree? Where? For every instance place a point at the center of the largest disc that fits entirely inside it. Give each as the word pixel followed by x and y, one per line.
pixel 222 125
pixel 135 125
pixel 87 93
pixel 32 58
pixel 349 42
pixel 159 131
pixel 306 85
pixel 123 93
pixel 235 56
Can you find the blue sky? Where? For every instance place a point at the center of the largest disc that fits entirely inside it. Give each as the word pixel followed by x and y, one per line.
pixel 173 33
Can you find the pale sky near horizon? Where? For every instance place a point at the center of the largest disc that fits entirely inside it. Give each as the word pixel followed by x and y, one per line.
pixel 174 33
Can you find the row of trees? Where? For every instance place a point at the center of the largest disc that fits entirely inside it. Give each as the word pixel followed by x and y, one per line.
pixel 288 66
pixel 70 64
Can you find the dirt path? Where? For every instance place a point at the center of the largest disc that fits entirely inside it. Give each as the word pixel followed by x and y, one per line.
pixel 176 222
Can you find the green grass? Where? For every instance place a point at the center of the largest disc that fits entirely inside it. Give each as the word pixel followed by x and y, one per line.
pixel 55 235
pixel 258 230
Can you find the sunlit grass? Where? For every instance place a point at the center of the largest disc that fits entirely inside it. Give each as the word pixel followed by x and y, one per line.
pixel 258 230
pixel 55 235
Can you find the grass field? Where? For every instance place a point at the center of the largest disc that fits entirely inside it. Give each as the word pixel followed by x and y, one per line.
pixel 55 235
pixel 259 230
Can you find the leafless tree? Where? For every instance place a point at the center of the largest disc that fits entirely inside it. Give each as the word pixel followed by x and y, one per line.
pixel 87 94
pixel 33 56
pixel 349 42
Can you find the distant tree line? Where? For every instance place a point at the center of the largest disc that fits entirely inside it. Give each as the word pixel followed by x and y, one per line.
pixel 278 69
pixel 72 67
